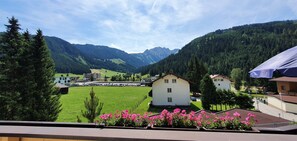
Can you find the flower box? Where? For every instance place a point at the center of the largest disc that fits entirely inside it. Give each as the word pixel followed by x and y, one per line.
pixel 179 120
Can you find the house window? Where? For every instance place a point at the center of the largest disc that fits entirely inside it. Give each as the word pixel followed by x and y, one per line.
pixel 169 90
pixel 173 80
pixel 283 87
pixel 215 80
pixel 165 80
pixel 169 99
pixel 222 80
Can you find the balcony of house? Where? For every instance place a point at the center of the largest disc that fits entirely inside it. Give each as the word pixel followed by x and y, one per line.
pixel 47 131
pixel 286 100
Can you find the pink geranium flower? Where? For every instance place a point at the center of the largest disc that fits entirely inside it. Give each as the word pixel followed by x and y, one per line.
pixel 177 110
pixel 236 114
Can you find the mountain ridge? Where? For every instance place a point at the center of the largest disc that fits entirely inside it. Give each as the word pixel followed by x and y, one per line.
pixel 242 47
pixel 80 58
pixel 155 54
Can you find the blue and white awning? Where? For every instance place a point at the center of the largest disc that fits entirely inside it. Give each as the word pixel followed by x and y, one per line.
pixel 285 63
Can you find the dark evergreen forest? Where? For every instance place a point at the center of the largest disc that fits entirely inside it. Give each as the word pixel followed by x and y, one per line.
pixel 242 47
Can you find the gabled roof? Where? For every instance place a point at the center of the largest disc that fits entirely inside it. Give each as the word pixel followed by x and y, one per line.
pixel 171 74
pixel 218 75
pixel 285 79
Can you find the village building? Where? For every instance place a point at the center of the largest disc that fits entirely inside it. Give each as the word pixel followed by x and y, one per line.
pixel 170 90
pixel 286 100
pixel 221 82
pixel 91 76
pixel 63 89
pixel 65 80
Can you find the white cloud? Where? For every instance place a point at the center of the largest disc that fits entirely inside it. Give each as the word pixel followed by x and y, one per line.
pixel 115 46
pixel 135 25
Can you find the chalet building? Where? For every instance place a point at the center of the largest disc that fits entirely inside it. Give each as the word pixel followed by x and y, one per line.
pixel 221 82
pixel 286 100
pixel 65 80
pixel 171 90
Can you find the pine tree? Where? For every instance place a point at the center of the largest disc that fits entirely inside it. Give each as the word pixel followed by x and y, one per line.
pixel 93 107
pixel 27 80
pixel 196 71
pixel 47 105
pixel 10 72
pixel 208 92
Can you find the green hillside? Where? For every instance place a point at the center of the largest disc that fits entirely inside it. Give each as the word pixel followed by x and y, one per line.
pixel 69 59
pixel 104 52
pixel 66 57
pixel 242 47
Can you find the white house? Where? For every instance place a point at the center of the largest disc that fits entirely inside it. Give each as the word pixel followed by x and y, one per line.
pixel 65 80
pixel 171 90
pixel 221 82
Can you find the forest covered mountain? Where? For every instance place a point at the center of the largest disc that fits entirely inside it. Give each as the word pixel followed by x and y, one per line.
pixel 242 47
pixel 107 53
pixel 77 58
pixel 154 55
pixel 66 57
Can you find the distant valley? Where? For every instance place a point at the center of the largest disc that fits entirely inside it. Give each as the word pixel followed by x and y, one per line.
pixel 242 47
pixel 77 58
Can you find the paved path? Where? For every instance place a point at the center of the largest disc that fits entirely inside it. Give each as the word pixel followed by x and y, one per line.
pixel 274 111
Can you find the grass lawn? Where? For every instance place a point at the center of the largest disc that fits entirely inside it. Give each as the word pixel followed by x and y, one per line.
pixel 196 106
pixel 105 72
pixel 70 75
pixel 114 98
pixel 220 107
pixel 259 95
pixel 144 107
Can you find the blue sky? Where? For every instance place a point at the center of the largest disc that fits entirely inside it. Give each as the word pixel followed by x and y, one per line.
pixel 136 25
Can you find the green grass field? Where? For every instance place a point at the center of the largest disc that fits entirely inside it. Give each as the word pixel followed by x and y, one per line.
pixel 70 75
pixel 105 72
pixel 114 98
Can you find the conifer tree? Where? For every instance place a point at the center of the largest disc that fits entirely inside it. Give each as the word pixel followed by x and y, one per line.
pixel 93 107
pixel 47 105
pixel 196 71
pixel 208 92
pixel 10 72
pixel 28 87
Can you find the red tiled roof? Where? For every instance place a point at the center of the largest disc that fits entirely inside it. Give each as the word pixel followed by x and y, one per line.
pixel 286 98
pixel 285 79
pixel 218 75
pixel 260 117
